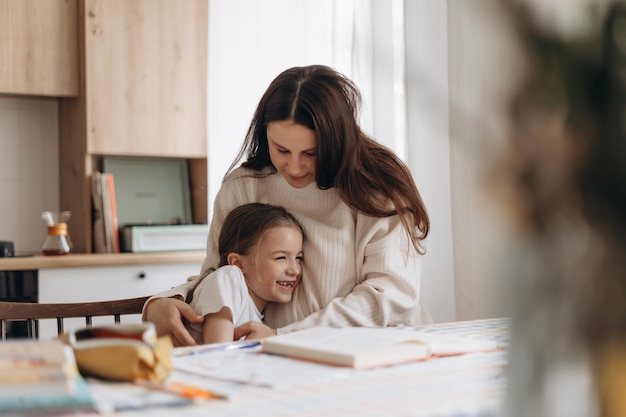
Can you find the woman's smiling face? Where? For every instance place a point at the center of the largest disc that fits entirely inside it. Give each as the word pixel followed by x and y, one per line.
pixel 293 151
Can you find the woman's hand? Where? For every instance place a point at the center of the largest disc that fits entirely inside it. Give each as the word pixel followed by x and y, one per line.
pixel 167 315
pixel 254 330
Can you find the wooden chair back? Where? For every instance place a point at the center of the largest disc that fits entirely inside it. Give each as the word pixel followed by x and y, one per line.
pixel 31 312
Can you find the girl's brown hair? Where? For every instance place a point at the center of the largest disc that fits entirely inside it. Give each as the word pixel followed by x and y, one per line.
pixel 246 224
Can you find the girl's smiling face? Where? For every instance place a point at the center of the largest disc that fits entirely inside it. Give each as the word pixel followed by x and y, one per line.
pixel 273 268
pixel 293 152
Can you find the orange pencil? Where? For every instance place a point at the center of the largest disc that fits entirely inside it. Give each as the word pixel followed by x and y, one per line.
pixel 185 391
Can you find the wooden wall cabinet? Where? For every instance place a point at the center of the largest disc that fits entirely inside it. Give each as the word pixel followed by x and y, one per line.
pixel 142 93
pixel 145 77
pixel 39 47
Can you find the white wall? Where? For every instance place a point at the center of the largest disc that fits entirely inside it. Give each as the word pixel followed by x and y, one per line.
pixel 29 169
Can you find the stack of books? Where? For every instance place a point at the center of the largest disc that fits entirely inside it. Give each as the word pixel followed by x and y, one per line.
pixel 106 237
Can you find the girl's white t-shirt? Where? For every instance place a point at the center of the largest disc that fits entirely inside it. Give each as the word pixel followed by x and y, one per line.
pixel 225 287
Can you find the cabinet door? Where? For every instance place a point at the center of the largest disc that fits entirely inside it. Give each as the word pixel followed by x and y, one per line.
pixel 70 285
pixel 39 47
pixel 145 75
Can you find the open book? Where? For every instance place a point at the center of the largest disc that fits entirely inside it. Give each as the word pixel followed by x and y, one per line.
pixel 369 347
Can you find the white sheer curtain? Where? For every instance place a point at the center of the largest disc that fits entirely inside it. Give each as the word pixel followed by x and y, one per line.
pixel 369 48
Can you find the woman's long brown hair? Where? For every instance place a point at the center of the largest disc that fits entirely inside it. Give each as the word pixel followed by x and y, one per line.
pixel 370 178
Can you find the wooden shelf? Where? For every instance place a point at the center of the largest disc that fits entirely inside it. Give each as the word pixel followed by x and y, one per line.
pixel 142 93
pixel 86 260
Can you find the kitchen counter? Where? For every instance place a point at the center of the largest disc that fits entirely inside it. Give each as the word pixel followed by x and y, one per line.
pixel 36 262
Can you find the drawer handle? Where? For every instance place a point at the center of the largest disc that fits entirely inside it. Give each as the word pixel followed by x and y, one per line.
pixel 141 275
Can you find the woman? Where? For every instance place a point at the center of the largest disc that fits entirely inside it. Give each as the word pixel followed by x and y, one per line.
pixel 359 206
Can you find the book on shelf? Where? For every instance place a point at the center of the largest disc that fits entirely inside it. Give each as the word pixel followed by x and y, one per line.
pixel 370 347
pixel 99 242
pixel 105 220
pixel 113 228
pixel 40 378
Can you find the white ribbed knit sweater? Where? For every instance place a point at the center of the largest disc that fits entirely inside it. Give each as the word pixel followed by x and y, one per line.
pixel 358 270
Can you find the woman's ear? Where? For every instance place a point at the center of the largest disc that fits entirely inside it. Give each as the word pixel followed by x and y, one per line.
pixel 235 259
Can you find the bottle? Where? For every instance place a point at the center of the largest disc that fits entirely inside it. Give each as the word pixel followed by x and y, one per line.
pixel 57 242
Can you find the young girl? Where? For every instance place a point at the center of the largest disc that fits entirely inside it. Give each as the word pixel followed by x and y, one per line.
pixel 260 249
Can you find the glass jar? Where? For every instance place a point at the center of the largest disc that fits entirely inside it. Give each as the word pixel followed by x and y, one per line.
pixel 57 241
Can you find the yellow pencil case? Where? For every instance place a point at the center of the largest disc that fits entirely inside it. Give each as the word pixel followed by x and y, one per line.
pixel 123 352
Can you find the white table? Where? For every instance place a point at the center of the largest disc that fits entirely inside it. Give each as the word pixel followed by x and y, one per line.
pixel 465 385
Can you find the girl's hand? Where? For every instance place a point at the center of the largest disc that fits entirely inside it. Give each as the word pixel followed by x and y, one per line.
pixel 167 315
pixel 253 330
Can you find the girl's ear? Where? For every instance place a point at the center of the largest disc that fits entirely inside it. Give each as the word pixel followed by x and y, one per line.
pixel 235 259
